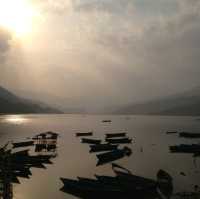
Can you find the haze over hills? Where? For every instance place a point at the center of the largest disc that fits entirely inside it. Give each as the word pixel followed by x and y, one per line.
pixel 12 104
pixel 186 103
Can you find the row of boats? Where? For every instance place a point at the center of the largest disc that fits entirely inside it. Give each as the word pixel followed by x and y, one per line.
pixel 110 138
pixel 46 141
pixel 109 150
pixel 185 134
pixel 124 185
pixel 17 164
pixel 186 148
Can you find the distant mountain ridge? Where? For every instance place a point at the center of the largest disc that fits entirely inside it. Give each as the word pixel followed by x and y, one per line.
pixel 12 104
pixel 186 103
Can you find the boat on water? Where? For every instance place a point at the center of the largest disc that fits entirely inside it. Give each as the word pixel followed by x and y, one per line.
pixel 91 190
pixel 113 135
pixel 84 134
pixel 124 185
pixel 165 183
pixel 119 140
pixel 90 141
pixel 106 121
pixel 186 195
pixel 45 147
pixel 46 136
pixel 189 135
pixel 23 144
pixel 185 148
pixel 102 147
pixel 171 132
pixel 111 156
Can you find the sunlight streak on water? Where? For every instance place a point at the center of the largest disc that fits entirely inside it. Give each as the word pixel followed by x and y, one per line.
pixel 15 119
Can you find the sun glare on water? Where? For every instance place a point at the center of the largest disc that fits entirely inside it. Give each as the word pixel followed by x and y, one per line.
pixel 15 119
pixel 17 16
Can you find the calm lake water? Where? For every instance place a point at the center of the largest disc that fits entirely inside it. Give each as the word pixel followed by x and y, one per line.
pixel 74 159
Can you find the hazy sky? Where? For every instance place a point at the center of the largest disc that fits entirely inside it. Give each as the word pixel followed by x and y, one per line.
pixel 105 52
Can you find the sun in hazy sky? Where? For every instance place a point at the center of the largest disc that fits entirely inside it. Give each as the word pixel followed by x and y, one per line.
pixel 17 16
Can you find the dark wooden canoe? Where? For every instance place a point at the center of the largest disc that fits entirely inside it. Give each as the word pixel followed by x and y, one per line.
pixel 113 135
pixel 102 147
pixel 119 141
pixel 111 156
pixel 90 141
pixel 84 134
pixel 189 135
pixel 23 144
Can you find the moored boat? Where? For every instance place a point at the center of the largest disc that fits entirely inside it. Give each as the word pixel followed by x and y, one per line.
pixel 185 148
pixel 119 140
pixel 102 147
pixel 189 135
pixel 104 158
pixel 113 135
pixel 90 141
pixel 23 144
pixel 84 134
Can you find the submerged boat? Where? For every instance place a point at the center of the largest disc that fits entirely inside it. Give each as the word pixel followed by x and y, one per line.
pixel 102 147
pixel 84 134
pixel 189 135
pixel 104 158
pixel 119 140
pixel 112 135
pixel 90 141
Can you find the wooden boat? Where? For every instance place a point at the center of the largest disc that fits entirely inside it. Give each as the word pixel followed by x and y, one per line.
pixel 40 147
pixel 90 190
pixel 52 136
pixel 46 136
pixel 113 135
pixel 84 134
pixel 165 183
pixel 196 154
pixel 102 147
pixel 185 148
pixel 104 158
pixel 106 121
pixel 130 179
pixel 189 135
pixel 23 144
pixel 90 141
pixel 51 147
pixel 108 180
pixel 186 195
pixel 122 186
pixel 171 132
pixel 119 141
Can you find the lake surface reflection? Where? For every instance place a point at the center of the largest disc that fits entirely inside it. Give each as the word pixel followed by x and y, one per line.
pixel 148 133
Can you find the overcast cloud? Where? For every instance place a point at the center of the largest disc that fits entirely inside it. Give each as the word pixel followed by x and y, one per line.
pixel 106 52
